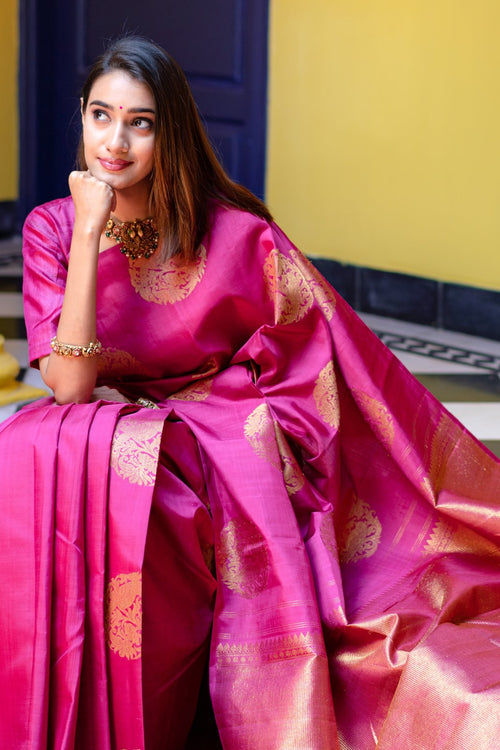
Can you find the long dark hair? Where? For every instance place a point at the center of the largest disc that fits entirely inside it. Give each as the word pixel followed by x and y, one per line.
pixel 186 172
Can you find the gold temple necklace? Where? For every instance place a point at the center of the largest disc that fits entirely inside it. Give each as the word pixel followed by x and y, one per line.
pixel 137 239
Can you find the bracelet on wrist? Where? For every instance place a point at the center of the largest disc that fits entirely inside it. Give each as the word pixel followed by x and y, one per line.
pixel 146 403
pixel 73 350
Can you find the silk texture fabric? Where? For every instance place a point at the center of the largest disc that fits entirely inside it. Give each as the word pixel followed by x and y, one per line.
pixel 300 514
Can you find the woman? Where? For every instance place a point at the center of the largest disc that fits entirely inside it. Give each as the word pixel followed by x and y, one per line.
pixel 232 468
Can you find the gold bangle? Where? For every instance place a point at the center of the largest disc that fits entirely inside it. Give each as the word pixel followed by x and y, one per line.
pixel 72 350
pixel 146 403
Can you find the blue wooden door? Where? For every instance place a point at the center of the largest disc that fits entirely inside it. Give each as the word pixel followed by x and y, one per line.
pixel 221 45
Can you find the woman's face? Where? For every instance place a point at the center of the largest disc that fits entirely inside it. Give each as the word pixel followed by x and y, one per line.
pixel 119 132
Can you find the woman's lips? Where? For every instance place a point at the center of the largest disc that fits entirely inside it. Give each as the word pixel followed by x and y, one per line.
pixel 114 165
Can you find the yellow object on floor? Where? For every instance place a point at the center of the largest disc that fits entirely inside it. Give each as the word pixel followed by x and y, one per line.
pixel 11 390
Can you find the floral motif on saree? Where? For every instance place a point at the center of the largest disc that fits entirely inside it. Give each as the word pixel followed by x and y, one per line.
pixel 377 415
pixel 360 535
pixel 287 287
pixel 323 292
pixel 198 391
pixel 292 473
pixel 242 558
pixel 259 431
pixel 326 396
pixel 327 533
pixel 118 363
pixel 267 440
pixel 123 615
pixel 135 450
pixel 169 282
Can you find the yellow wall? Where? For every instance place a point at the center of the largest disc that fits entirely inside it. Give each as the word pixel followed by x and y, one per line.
pixel 9 36
pixel 384 133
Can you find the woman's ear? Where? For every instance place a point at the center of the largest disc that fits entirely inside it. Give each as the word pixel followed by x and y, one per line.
pixel 81 107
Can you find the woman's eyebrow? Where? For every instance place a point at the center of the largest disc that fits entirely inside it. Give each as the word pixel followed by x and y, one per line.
pixel 132 110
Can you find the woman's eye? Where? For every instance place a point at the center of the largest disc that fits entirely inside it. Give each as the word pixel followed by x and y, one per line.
pixel 143 123
pixel 99 115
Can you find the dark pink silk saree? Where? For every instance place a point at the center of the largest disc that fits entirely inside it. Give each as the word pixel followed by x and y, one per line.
pixel 299 511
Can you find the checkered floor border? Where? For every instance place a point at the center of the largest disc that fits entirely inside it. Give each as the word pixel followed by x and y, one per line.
pixel 445 352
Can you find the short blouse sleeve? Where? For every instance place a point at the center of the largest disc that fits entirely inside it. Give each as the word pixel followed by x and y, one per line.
pixel 46 241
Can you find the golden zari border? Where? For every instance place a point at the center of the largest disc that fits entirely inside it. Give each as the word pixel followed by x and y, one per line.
pixel 270 650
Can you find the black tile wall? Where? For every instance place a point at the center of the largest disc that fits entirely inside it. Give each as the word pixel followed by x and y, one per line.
pixel 470 310
pixel 399 296
pixel 453 307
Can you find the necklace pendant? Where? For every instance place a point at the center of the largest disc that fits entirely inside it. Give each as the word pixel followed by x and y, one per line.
pixel 137 239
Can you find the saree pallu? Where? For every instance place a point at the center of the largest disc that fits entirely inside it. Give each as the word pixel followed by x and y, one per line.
pixel 299 512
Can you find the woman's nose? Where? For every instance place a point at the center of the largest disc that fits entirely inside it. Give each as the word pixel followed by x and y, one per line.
pixel 118 140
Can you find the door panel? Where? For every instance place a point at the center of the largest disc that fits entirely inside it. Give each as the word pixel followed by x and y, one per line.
pixel 221 45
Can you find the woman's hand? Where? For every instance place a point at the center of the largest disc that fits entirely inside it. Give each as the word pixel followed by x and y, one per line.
pixel 93 200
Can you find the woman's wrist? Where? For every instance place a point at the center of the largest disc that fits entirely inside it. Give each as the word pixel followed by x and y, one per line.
pixel 87 230
pixel 90 349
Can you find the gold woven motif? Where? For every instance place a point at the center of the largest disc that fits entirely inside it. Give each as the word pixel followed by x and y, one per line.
pixel 323 292
pixel 326 396
pixel 118 363
pixel 197 391
pixel 285 678
pixel 459 464
pixel 377 416
pixel 259 431
pixel 447 536
pixel 292 474
pixel 360 536
pixel 268 442
pixel 327 533
pixel 282 648
pixel 135 450
pixel 287 288
pixel 169 282
pixel 242 558
pixel 123 615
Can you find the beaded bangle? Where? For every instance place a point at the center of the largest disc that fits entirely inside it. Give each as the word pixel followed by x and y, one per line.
pixel 146 403
pixel 72 350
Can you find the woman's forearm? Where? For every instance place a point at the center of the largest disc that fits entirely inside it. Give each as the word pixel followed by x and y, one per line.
pixel 72 378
